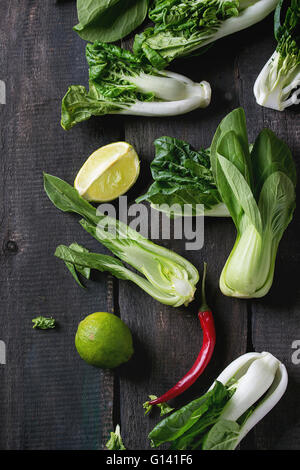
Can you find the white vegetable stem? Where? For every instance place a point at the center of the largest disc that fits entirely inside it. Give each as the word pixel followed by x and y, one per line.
pixel 260 381
pixel 249 15
pixel 272 397
pixel 251 386
pixel 180 94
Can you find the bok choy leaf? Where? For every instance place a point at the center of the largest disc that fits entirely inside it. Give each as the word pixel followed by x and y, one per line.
pixel 183 177
pixel 166 276
pixel 258 189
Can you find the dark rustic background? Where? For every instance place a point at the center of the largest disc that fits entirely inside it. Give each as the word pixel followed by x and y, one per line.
pixel 49 398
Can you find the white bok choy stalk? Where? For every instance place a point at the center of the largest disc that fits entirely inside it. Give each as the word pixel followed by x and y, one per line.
pixel 258 188
pixel 121 83
pixel 278 84
pixel 238 399
pixel 165 275
pixel 258 380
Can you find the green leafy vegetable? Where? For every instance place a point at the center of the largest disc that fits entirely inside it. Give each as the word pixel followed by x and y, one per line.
pixel 182 176
pixel 182 27
pixel 43 323
pixel 164 407
pixel 281 74
pixel 167 277
pixel 185 426
pixel 115 442
pixel 122 83
pixel 259 192
pixel 73 268
pixel 109 20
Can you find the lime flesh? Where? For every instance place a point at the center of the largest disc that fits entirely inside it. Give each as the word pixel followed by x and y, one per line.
pixel 108 173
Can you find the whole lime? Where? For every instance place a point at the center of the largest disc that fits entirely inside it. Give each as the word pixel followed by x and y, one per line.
pixel 103 340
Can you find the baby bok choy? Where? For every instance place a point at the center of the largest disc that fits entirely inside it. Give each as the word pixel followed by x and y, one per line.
pixel 258 188
pixel 278 84
pixel 184 27
pixel 121 83
pixel 238 399
pixel 166 276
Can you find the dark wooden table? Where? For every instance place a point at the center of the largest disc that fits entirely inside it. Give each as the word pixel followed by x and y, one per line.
pixel 49 398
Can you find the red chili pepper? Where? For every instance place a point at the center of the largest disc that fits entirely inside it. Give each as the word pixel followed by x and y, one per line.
pixel 204 356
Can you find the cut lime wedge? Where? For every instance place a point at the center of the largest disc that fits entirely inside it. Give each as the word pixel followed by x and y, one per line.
pixel 108 173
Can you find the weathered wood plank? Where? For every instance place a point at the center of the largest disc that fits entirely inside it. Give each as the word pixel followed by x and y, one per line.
pixel 50 399
pixel 275 318
pixel 168 339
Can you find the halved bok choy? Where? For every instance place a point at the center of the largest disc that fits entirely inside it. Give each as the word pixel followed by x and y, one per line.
pixel 120 83
pixel 237 400
pixel 258 188
pixel 166 276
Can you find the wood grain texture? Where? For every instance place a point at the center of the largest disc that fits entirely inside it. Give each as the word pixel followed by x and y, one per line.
pixel 169 339
pixel 49 398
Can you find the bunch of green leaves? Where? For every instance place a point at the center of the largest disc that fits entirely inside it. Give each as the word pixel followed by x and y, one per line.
pixel 287 34
pixel 188 427
pixel 258 189
pixel 182 176
pixel 109 20
pixel 166 276
pixel 110 88
pixel 181 27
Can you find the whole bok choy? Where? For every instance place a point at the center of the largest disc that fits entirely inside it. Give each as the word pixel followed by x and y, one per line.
pixel 122 83
pixel 166 276
pixel 182 27
pixel 278 84
pixel 258 188
pixel 238 399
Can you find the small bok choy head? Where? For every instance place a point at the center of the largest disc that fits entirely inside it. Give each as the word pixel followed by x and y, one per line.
pixel 124 84
pixel 258 188
pixel 238 399
pixel 278 84
pixel 165 275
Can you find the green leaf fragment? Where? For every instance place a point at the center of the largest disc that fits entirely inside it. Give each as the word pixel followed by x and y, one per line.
pixel 43 323
pixel 115 442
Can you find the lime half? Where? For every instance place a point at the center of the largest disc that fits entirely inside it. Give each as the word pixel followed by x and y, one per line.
pixel 108 173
